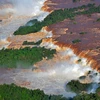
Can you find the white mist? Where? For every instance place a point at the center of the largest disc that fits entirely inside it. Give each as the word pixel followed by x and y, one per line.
pixel 18 13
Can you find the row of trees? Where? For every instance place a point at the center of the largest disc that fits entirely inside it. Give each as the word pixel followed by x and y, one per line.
pixel 75 0
pixel 92 96
pixel 23 57
pixel 32 43
pixel 81 90
pixel 13 92
pixel 78 87
pixel 57 16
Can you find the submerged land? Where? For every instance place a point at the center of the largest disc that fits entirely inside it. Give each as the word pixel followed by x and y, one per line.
pixel 63 49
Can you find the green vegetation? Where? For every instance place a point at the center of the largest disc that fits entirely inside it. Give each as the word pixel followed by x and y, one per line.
pixel 24 57
pixel 79 60
pixel 98 47
pixel 31 22
pixel 57 16
pixel 74 22
pixel 98 20
pixel 76 41
pixel 13 92
pixel 71 32
pixel 76 0
pixel 77 87
pixel 91 96
pixel 32 43
pixel 83 33
pixel 72 18
pixel 84 96
pixel 28 24
pixel 98 91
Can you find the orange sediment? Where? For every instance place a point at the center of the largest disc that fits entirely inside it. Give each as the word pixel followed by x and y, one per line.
pixel 94 62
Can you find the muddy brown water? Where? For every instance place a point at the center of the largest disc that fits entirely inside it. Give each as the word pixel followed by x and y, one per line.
pixel 60 4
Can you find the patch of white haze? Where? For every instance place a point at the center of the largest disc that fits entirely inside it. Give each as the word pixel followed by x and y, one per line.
pixel 54 75
pixel 93 88
pixel 21 12
pixel 49 34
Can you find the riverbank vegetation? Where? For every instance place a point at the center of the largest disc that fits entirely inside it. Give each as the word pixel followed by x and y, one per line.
pixel 57 16
pixel 98 20
pixel 32 43
pixel 82 90
pixel 78 87
pixel 76 41
pixel 24 57
pixel 84 96
pixel 75 0
pixel 83 33
pixel 13 92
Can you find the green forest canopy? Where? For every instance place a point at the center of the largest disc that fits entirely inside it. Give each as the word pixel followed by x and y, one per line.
pixel 13 92
pixel 57 16
pixel 25 57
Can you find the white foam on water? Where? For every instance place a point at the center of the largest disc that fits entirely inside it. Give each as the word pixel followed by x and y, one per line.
pixel 52 75
pixel 22 7
pixel 19 14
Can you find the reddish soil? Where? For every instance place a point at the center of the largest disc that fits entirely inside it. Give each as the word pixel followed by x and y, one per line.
pixel 17 41
pixel 69 30
pixel 50 5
